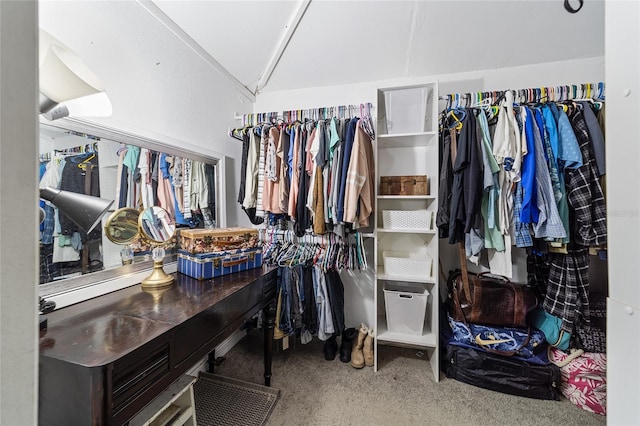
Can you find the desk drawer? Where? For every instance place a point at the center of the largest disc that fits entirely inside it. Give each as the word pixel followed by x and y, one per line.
pixel 201 329
pixel 135 374
pixel 270 286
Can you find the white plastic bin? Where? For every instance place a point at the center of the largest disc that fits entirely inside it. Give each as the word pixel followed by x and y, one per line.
pixel 406 110
pixel 405 306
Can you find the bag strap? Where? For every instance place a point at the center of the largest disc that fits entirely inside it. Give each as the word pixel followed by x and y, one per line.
pixel 575 353
pixel 465 273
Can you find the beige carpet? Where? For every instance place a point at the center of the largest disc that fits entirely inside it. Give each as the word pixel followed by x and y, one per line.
pixel 318 392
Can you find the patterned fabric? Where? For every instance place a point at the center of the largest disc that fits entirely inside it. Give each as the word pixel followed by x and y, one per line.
pixel 551 160
pixel 261 166
pixel 523 236
pixel 506 338
pixel 568 287
pixel 584 380
pixel 549 225
pixel 48 225
pixel 538 272
pixel 584 192
pixel 593 335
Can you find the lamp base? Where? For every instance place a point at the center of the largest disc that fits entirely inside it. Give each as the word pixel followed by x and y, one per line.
pixel 158 277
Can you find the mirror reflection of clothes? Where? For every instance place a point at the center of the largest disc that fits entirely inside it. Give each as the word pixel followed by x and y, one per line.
pixel 158 224
pixel 184 187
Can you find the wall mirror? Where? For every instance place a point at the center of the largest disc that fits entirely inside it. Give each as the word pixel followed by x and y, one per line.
pixel 145 177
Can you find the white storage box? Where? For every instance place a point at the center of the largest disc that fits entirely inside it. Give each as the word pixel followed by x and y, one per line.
pixel 405 110
pixel 405 306
pixel 405 264
pixel 407 219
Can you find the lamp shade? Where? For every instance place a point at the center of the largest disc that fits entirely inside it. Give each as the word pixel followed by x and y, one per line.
pixel 84 210
pixel 96 105
pixel 63 76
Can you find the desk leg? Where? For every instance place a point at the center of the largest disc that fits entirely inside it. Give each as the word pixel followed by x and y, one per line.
pixel 269 312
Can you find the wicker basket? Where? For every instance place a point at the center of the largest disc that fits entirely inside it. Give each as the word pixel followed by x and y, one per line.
pixel 407 219
pixel 401 263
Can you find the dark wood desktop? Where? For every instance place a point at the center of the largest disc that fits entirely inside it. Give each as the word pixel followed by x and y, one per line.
pixel 103 360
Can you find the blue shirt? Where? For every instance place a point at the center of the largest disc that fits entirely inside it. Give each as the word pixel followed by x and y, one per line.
pixel 529 210
pixel 569 154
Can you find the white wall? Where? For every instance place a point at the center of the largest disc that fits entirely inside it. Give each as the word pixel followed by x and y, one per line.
pixel 159 87
pixel 18 206
pixel 359 289
pixel 623 156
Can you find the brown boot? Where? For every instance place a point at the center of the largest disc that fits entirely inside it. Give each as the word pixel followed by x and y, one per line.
pixel 367 350
pixel 357 356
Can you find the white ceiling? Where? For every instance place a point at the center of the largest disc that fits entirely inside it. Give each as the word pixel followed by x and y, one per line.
pixel 343 42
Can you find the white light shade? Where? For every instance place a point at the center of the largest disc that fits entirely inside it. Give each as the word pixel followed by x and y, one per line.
pixel 63 76
pixel 96 105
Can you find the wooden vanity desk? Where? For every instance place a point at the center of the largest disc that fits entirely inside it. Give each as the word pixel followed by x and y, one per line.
pixel 103 360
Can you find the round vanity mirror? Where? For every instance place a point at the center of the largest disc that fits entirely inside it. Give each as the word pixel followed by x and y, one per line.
pixel 122 226
pixel 156 224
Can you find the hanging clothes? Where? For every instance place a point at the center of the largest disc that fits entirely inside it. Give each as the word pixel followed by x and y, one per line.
pixel 312 174
pixel 539 152
pixel 359 188
pixel 467 182
pixel 584 192
pixel 567 294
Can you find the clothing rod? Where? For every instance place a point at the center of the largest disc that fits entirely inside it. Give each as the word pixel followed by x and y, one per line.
pixel 328 111
pixel 308 236
pixel 564 92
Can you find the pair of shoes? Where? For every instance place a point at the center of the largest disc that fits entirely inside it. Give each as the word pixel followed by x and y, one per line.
pixel 362 352
pixel 348 337
pixel 330 348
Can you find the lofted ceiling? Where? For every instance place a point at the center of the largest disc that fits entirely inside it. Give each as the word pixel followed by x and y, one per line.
pixel 308 43
pixel 145 48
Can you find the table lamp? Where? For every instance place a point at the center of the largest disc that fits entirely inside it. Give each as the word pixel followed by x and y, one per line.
pixel 86 211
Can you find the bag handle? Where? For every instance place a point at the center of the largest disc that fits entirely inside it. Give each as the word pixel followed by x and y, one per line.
pixel 482 274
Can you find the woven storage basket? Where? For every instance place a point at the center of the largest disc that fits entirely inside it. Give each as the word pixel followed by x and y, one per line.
pixel 407 219
pixel 401 263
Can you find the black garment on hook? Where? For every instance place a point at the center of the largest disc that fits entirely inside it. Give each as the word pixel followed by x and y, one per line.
pixel 251 212
pixel 570 9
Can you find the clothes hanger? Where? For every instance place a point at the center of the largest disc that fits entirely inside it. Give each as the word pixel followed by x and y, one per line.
pixel 457 121
pixel 366 124
pixel 87 162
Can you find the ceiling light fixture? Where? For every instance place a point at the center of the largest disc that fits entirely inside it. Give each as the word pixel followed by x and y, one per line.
pixel 65 78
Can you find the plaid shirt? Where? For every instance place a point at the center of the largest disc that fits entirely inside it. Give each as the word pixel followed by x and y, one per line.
pixel 584 192
pixel 568 287
pixel 522 230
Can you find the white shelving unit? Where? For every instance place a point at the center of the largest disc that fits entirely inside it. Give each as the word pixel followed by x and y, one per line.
pixel 407 144
pixel 174 407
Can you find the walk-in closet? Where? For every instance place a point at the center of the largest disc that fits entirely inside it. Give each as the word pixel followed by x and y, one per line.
pixel 319 212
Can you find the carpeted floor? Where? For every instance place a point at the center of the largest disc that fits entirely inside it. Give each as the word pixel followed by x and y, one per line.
pixel 318 392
